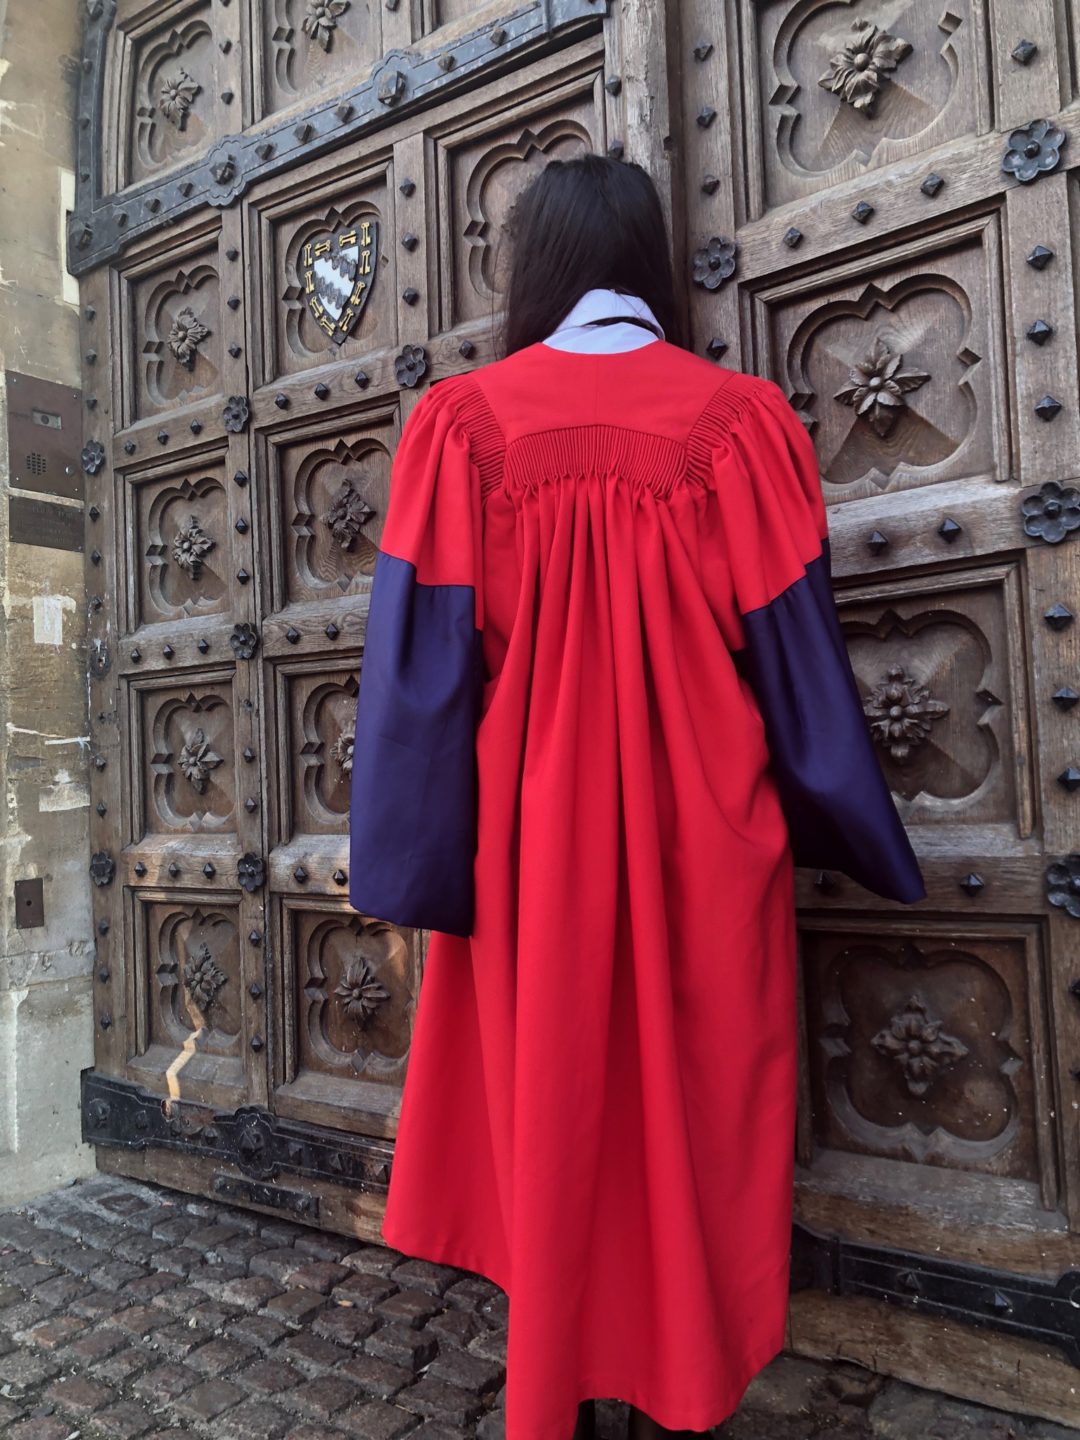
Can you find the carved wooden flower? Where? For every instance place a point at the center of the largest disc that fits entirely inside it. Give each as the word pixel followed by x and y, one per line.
pixel 918 1045
pixel 349 513
pixel 411 365
pixel 93 456
pixel 203 977
pixel 102 868
pixel 1052 513
pixel 244 640
pixel 715 262
pixel 877 387
pixel 236 414
pixel 251 872
pixel 175 97
pixel 190 545
pixel 186 334
pixel 1063 884
pixel 360 992
pixel 1033 150
pixel 342 749
pixel 901 712
pixel 860 68
pixel 197 759
pixel 321 19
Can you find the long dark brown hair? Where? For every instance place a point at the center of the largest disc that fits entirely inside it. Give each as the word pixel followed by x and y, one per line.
pixel 583 223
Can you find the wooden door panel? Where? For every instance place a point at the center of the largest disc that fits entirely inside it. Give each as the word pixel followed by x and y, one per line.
pixel 301 48
pixel 838 89
pixel 930 311
pixel 346 1015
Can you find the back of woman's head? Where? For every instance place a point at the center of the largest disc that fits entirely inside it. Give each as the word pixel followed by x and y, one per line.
pixel 586 223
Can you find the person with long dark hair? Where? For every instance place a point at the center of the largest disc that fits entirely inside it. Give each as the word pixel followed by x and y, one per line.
pixel 605 707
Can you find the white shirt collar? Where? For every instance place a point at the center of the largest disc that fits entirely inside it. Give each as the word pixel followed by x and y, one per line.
pixel 573 332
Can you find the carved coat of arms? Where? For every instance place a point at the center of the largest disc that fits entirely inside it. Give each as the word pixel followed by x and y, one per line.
pixel 337 272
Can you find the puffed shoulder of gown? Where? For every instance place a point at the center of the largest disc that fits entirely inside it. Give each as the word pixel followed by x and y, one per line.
pixel 413 809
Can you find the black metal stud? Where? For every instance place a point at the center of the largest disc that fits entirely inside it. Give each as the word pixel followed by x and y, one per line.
pixel 932 184
pixel 321 391
pixel 1023 51
pixel 234 350
pixel 300 874
pixel 233 302
pixel 168 651
pixel 256 1042
pixel 163 437
pixel 1065 697
pixel 466 349
pixel 792 236
pixel 1039 331
pixel 241 526
pixel 248 754
pixel 391 87
pixel 95 557
pixel 498 36
pixel 703 49
pixel 240 478
pixel 616 149
pixel 613 84
pixel 705 116
pixel 1058 617
pixel 303 132
pixel 862 212
pixel 264 149
pixel 196 427
pixel 1048 407
pixel 243 576
pixel 342 110
pixel 227 97
pixel 281 401
pixel 340 878
pixel 877 542
pixel 407 187
pixel 251 805
pixel 203 645
pixel 103 926
pixel 824 882
pixel 209 870
pixel 446 61
pixel 254 937
pixel 292 635
pixel 972 884
pixel 410 295
pixel 174 869
pixel 361 379
pixel 186 187
pixel 136 655
pixel 1040 257
pixel 232 253
pixel 409 240
pixel 140 869
pixel 949 529
pixel 94 512
pixel 255 990
pixel 91 357
pixel 710 185
pixel 101 807
pixel 1069 779
pixel 716 347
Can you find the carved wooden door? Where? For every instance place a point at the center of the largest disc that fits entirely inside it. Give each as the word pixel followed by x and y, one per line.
pixel 885 212
pixel 287 225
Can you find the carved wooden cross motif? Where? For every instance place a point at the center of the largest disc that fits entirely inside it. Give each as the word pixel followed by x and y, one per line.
pixel 337 272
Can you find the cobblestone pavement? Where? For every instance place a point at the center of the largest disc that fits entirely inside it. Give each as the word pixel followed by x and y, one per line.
pixel 128 1310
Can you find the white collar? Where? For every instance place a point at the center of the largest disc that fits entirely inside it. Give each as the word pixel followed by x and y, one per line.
pixel 574 333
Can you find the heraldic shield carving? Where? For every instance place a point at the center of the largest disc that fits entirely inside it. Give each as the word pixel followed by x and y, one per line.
pixel 337 272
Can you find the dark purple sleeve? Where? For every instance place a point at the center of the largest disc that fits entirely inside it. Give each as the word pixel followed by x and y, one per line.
pixel 837 803
pixel 413 803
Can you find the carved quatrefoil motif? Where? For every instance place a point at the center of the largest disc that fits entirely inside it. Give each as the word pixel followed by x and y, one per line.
pixel 859 69
pixel 189 547
pixel 360 992
pixel 203 977
pixel 197 759
pixel 175 97
pixel 877 386
pixel 186 335
pixel 320 20
pixel 901 712
pixel 347 515
pixel 918 1045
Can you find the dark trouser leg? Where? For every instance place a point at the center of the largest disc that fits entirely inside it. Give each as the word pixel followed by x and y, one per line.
pixel 644 1427
pixel 585 1429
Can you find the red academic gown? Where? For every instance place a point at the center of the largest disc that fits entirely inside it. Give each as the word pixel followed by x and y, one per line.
pixel 604 706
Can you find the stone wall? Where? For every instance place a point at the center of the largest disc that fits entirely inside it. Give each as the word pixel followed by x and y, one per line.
pixel 46 1023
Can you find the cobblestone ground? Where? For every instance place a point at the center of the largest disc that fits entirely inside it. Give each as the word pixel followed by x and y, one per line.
pixel 128 1310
